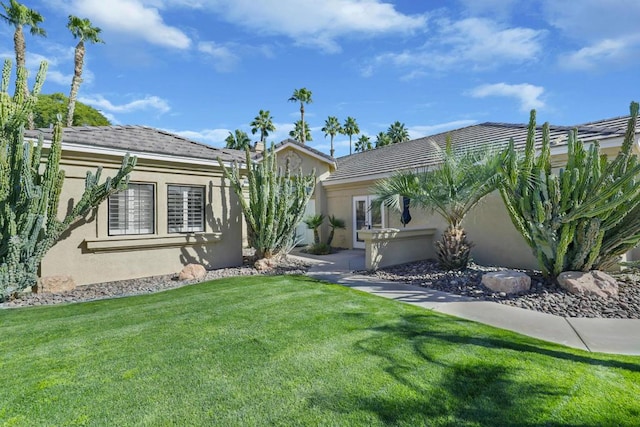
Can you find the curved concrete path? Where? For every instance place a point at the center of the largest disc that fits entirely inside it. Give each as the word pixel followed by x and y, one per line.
pixel 620 336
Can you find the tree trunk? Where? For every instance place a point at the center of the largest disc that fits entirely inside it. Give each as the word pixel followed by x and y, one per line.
pixel 75 81
pixel 453 249
pixel 303 136
pixel 332 150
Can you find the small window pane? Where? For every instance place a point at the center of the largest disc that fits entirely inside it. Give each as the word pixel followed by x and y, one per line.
pixel 185 209
pixel 132 211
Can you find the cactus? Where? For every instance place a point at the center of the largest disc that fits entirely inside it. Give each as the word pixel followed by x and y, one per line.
pixel 585 216
pixel 276 202
pixel 30 194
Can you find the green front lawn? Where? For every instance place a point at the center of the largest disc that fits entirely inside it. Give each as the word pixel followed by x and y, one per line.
pixel 293 351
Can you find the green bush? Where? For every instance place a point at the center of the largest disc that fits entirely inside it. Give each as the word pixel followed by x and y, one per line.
pixel 319 249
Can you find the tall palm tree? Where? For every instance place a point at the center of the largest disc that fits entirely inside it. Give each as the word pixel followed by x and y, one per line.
pixel 238 140
pixel 363 144
pixel 451 190
pixel 331 127
pixel 263 122
pixel 382 139
pixel 19 15
pixel 83 31
pixel 350 127
pixel 301 132
pixel 303 96
pixel 398 132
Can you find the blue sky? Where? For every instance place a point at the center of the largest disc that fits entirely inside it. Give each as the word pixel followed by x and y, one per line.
pixel 202 68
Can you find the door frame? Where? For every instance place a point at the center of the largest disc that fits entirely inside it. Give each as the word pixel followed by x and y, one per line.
pixel 368 199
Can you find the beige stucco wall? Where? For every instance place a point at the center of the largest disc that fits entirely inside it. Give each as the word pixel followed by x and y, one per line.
pixel 90 255
pixel 488 226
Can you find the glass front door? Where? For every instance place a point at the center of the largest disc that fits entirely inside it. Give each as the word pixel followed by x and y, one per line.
pixel 366 214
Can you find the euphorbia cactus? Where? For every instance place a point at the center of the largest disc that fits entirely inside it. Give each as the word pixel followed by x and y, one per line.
pixel 583 217
pixel 30 192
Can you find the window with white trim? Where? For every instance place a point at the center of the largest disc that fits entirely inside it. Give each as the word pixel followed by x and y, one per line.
pixel 132 211
pixel 185 209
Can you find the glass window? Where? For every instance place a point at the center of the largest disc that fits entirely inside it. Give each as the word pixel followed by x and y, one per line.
pixel 132 211
pixel 186 209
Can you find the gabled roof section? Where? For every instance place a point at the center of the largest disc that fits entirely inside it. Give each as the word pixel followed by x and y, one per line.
pixel 138 140
pixel 303 148
pixel 419 153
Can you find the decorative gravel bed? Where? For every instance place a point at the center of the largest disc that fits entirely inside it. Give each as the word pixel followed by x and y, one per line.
pixel 544 296
pixel 148 285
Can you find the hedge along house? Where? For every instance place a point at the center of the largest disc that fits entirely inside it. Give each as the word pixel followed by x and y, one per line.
pixel 349 196
pixel 177 209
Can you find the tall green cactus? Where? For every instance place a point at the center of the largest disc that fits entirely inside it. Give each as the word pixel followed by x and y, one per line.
pixel 276 202
pixel 583 217
pixel 30 192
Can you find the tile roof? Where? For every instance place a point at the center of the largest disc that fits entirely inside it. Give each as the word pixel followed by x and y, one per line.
pixel 418 153
pixel 139 139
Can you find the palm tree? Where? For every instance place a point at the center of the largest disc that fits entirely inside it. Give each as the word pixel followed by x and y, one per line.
pixel 398 132
pixel 382 139
pixel 313 223
pixel 331 127
pixel 363 144
pixel 303 96
pixel 263 122
pixel 81 30
pixel 299 134
pixel 238 140
pixel 451 190
pixel 19 15
pixel 350 128
pixel 334 223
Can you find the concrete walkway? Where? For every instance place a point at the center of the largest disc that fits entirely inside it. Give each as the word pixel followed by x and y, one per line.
pixel 620 336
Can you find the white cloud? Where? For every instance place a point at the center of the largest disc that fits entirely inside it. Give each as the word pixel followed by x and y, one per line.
pixel 317 23
pixel 473 42
pixel 605 51
pixel 224 59
pixel 132 18
pixel 427 130
pixel 527 94
pixel 594 20
pixel 147 103
pixel 210 136
pixel 606 31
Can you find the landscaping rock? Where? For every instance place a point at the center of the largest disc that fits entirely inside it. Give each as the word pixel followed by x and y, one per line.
pixel 507 281
pixel 54 284
pixel 590 283
pixel 264 264
pixel 192 272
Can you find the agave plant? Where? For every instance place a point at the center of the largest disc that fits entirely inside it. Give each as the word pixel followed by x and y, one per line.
pixel 451 190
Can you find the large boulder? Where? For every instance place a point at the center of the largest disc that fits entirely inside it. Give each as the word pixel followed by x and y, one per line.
pixel 192 272
pixel 590 283
pixel 507 281
pixel 54 285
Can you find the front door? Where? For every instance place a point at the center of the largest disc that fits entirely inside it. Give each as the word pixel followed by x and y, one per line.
pixel 366 214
